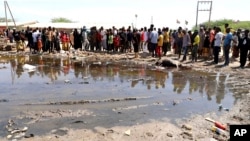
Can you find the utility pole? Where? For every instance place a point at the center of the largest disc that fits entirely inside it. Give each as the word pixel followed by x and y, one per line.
pixel 209 9
pixel 6 5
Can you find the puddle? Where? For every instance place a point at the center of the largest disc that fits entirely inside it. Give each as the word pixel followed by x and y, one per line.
pixel 104 93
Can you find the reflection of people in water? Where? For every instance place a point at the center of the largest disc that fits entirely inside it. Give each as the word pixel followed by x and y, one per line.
pixel 20 62
pixel 66 66
pixel 179 81
pixel 220 88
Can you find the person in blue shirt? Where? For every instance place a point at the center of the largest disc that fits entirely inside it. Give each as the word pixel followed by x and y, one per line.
pixel 227 45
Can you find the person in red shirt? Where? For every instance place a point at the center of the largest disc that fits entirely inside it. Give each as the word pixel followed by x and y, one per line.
pixel 116 42
pixel 98 40
pixel 141 39
pixel 211 38
pixel 64 41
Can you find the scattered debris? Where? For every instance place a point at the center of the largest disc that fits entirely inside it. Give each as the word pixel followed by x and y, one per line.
pixel 29 67
pixel 79 121
pixel 14 132
pixel 110 131
pixel 217 124
pixel 67 81
pixel 237 118
pixel 188 135
pixel 29 136
pixel 128 132
pixel 175 102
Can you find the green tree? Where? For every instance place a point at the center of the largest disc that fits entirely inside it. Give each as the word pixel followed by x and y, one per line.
pixel 2 19
pixel 61 20
pixel 232 24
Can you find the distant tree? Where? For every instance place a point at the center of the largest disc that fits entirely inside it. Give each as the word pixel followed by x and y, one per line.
pixel 2 19
pixel 232 24
pixel 61 20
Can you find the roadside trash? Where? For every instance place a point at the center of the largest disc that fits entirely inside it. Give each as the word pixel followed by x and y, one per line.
pixel 226 109
pixel 220 107
pixel 15 133
pixel 67 81
pixel 29 67
pixel 127 132
pixel 175 102
pixel 217 130
pixel 97 63
pixel 217 124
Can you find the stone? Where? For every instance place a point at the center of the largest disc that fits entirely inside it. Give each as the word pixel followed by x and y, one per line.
pixel 170 135
pixel 149 134
pixel 187 127
pixel 128 132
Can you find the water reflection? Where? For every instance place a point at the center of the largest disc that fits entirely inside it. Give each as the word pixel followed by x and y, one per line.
pixel 139 75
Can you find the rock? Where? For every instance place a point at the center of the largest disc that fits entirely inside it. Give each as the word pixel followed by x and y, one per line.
pixel 66 81
pixel 149 134
pixel 83 82
pixel 110 131
pixel 29 136
pixel 24 129
pixel 9 136
pixel 175 102
pixel 19 135
pixel 170 135
pixel 189 134
pixel 4 100
pixel 15 131
pixel 128 132
pixel 187 127
pixel 130 98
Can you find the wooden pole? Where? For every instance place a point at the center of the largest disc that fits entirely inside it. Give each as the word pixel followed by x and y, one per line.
pixel 6 19
pixel 10 13
pixel 197 11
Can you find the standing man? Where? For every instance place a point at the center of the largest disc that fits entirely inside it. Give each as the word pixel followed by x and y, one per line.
pixel 159 44
pixel 227 46
pixel 202 39
pixel 85 41
pixel 185 44
pixel 244 47
pixel 217 44
pixel 166 41
pixel 195 46
pixel 153 41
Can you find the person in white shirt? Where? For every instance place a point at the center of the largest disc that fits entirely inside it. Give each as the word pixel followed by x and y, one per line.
pixel 217 44
pixel 104 39
pixel 34 36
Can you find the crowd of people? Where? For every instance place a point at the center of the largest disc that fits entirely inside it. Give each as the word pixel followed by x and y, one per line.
pixel 205 43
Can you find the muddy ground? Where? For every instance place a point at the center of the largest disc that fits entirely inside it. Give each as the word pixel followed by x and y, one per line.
pixel 194 128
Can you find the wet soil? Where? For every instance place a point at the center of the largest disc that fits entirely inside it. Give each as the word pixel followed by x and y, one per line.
pixel 100 96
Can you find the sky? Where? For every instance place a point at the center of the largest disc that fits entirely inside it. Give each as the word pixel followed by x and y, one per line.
pixel 163 13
